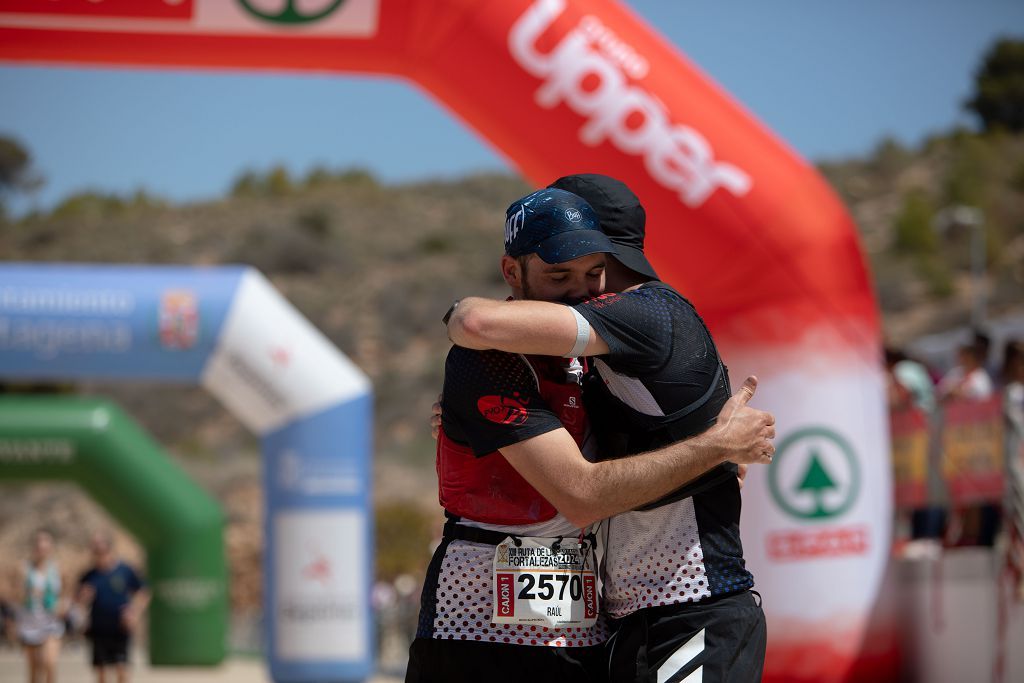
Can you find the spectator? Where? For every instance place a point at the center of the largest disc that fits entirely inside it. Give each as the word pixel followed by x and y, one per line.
pixel 7 612
pixel 38 625
pixel 116 597
pixel 909 382
pixel 911 386
pixel 983 343
pixel 1012 377
pixel 968 379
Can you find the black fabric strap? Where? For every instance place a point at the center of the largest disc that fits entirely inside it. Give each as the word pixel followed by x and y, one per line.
pixel 453 531
pixel 461 532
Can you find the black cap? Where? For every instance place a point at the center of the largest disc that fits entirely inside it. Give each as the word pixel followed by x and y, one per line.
pixel 556 225
pixel 621 214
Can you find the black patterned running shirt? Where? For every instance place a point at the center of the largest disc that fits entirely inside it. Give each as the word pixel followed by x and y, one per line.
pixel 662 361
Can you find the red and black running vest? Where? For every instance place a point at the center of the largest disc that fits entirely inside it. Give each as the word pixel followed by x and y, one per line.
pixel 487 488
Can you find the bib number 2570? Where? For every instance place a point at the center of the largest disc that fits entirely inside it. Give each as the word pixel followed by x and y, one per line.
pixel 537 581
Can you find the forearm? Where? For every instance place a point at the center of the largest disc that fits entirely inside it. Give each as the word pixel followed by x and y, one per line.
pixel 531 327
pixel 613 486
pixel 140 601
pixel 740 434
pixel 472 324
pixel 585 492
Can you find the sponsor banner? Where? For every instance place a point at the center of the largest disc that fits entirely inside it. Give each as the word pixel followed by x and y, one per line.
pixel 320 606
pixel 37 452
pixel 319 549
pixel 272 366
pixel 816 523
pixel 593 72
pixel 322 457
pixel 68 321
pixel 189 593
pixel 595 89
pixel 909 432
pixel 831 542
pixel 972 451
pixel 505 600
pixel 590 597
pixel 340 18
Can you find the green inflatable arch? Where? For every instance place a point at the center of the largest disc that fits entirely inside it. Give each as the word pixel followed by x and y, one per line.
pixel 93 443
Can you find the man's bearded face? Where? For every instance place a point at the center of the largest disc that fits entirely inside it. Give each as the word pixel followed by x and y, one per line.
pixel 570 282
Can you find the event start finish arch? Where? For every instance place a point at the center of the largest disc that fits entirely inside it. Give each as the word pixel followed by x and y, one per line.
pixel 228 329
pixel 746 229
pixel 94 444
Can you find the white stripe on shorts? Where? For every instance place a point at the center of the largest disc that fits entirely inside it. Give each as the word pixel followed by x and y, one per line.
pixel 681 657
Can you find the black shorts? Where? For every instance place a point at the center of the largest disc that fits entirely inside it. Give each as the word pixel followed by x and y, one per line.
pixel 433 660
pixel 723 637
pixel 109 650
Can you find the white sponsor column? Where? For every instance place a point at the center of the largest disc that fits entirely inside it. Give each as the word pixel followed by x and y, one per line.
pixel 312 407
pixel 816 523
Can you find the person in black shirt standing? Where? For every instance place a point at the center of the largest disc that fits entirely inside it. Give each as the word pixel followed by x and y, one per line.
pixel 675 582
pixel 116 597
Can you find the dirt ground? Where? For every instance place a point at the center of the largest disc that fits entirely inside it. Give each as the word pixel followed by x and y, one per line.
pixel 74 667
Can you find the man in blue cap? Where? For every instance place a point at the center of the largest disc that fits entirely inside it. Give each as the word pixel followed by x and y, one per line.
pixel 511 591
pixel 675 582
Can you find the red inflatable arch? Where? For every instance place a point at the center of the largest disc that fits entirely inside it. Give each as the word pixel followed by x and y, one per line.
pixel 739 223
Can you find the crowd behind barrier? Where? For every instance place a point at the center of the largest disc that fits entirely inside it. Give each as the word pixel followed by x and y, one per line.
pixel 958 452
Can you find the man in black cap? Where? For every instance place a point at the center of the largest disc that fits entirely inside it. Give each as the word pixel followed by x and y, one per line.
pixel 511 592
pixel 675 582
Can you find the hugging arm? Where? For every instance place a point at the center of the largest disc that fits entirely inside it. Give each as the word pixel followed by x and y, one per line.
pixel 532 327
pixel 585 492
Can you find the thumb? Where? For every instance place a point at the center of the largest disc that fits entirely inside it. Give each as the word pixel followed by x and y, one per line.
pixel 746 392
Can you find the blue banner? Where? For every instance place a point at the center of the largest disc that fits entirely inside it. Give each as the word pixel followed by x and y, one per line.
pixel 66 321
pixel 318 560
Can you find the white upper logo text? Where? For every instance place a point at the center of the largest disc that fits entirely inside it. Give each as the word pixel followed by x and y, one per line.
pixel 676 156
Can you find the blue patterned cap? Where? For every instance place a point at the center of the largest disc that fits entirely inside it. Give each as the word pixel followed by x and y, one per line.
pixel 556 225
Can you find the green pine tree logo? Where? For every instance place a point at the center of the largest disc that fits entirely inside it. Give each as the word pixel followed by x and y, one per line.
pixel 815 475
pixel 292 13
pixel 817 481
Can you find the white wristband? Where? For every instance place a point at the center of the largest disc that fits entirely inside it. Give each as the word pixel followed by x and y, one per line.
pixel 582 335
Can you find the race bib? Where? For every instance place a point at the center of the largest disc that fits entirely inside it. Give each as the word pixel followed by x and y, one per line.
pixel 544 581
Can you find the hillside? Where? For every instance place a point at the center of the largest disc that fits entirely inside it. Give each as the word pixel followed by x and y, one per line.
pixel 922 274
pixel 375 266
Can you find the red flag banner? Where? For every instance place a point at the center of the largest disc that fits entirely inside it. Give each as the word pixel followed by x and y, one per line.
pixel 909 457
pixel 972 451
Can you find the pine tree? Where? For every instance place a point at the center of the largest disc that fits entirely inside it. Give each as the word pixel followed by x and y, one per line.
pixel 817 481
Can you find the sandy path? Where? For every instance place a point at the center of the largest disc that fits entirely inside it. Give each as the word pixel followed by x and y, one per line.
pixel 73 667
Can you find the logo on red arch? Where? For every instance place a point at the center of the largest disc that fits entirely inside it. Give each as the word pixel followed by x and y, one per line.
pixel 502 409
